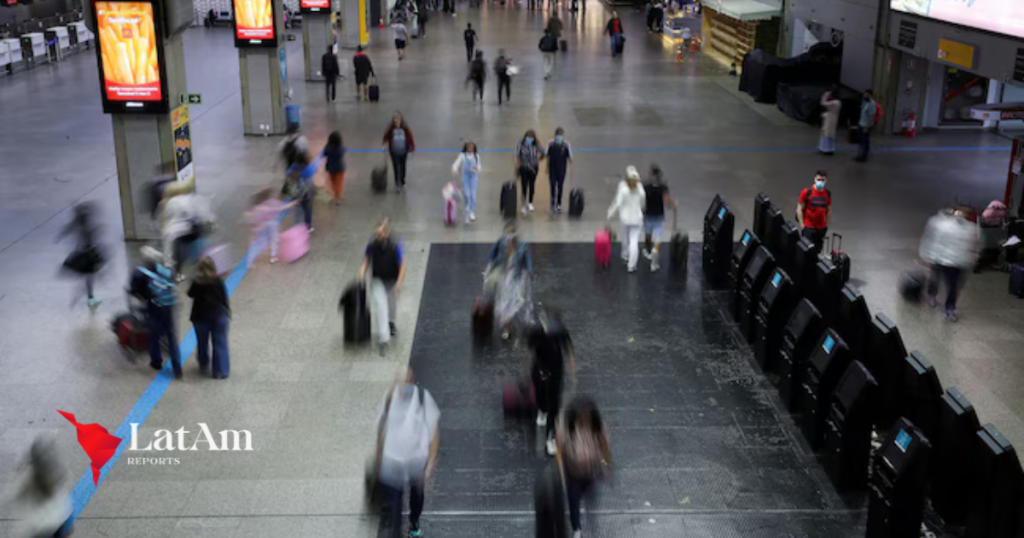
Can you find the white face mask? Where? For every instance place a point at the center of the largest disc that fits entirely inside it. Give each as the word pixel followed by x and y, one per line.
pixel 819 184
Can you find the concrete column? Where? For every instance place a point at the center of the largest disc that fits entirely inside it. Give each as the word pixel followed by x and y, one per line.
pixel 317 35
pixel 143 146
pixel 264 82
pixel 354 24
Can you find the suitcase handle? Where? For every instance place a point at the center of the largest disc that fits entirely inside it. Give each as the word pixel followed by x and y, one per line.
pixel 834 237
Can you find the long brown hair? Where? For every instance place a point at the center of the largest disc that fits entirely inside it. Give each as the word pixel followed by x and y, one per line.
pixel 206 271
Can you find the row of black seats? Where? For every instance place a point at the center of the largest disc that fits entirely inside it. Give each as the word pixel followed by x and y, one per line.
pixel 845 374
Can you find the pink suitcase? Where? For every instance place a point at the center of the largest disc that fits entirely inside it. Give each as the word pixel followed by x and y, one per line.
pixel 603 248
pixel 294 243
pixel 451 211
pixel 221 256
pixel 519 398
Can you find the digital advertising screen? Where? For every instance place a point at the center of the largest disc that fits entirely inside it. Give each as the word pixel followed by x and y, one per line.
pixel 131 57
pixel 254 23
pixel 315 6
pixel 999 16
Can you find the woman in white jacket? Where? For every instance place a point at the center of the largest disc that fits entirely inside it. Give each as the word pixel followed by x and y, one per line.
pixel 629 204
pixel 467 167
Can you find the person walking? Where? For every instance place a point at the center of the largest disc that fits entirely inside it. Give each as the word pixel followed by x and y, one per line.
pixel 334 154
pixel 549 47
pixel 526 162
pixel 385 258
pixel 38 503
pixel 551 344
pixel 422 17
pixel 153 283
pixel 211 313
pixel 560 163
pixel 186 217
pixel 88 258
pixel 470 37
pixel 868 117
pixel 555 26
pixel 401 38
pixel 507 278
pixel 657 195
pixel 263 220
pixel 829 122
pixel 364 70
pixel 583 453
pixel 950 246
pixel 629 204
pixel 615 32
pixel 478 75
pixel 407 441
pixel 299 186
pixel 399 143
pixel 814 211
pixel 502 68
pixel 467 166
pixel 330 70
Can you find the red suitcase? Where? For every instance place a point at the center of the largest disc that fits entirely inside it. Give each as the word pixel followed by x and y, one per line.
pixel 603 248
pixel 483 318
pixel 519 398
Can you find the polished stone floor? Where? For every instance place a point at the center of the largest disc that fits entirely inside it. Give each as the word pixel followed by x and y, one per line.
pixel 310 402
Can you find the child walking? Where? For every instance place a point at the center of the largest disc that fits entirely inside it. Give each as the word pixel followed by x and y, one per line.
pixel 263 219
pixel 467 166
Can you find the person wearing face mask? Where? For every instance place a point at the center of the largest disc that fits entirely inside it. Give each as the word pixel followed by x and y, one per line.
pixel 385 257
pixel 868 117
pixel 629 203
pixel 407 440
pixel 559 156
pixel 814 211
pixel 527 158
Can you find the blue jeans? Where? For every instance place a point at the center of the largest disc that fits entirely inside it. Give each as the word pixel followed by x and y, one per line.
pixel 161 325
pixel 469 185
pixel 865 143
pixel 615 42
pixel 306 204
pixel 218 330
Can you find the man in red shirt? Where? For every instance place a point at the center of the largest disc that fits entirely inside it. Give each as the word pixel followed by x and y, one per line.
pixel 614 29
pixel 814 210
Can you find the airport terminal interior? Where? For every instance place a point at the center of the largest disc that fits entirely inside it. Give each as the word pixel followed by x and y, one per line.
pixel 701 442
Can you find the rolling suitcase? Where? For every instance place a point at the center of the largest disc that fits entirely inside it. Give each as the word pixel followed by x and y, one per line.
pixel 840 259
pixel 451 212
pixel 483 318
pixel 508 200
pixel 912 286
pixel 678 246
pixel 379 179
pixel 356 322
pixel 549 504
pixel 576 202
pixel 374 91
pixel 294 243
pixel 564 45
pixel 1017 280
pixel 603 248
pixel 519 399
pixel 132 333
pixel 620 44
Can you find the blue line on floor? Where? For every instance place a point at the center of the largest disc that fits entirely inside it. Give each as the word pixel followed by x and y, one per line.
pixel 734 149
pixel 83 491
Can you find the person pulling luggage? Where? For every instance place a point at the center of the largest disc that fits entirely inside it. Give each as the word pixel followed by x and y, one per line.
pixel 814 211
pixel 560 163
pixel 551 344
pixel 467 167
pixel 654 214
pixel 629 204
pixel 154 284
pixel 950 246
pixel 478 75
pixel 385 257
pixel 526 163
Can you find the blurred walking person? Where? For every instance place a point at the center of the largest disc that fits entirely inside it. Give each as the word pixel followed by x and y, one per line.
pixel 264 221
pixel 615 32
pixel 478 75
pixel 407 440
pixel 330 70
pixel 385 258
pixel 551 344
pixel 950 245
pixel 549 47
pixel 869 115
pixel 507 276
pixel 334 154
pixel 154 284
pixel 528 154
pixel 364 70
pixel 401 38
pixel 467 166
pixel 399 143
pixel 87 258
pixel 583 452
pixel 629 204
pixel 560 164
pixel 40 500
pixel 300 186
pixel 829 122
pixel 470 37
pixel 502 68
pixel 211 313
pixel 657 196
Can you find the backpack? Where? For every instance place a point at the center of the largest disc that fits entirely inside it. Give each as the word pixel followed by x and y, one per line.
pixel 878 112
pixel 548 43
pixel 161 288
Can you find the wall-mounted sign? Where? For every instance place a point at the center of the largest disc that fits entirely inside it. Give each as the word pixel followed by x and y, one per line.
pixel 254 23
pixel 315 6
pixel 956 53
pixel 908 34
pixel 998 112
pixel 131 57
pixel 1018 66
pixel 1000 16
pixel 182 144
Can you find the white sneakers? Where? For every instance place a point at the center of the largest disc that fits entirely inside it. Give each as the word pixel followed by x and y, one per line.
pixel 531 207
pixel 550 445
pixel 576 534
pixel 472 217
pixel 525 210
pixel 542 419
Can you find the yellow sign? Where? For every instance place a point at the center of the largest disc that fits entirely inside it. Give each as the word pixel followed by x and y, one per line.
pixel 956 53
pixel 179 117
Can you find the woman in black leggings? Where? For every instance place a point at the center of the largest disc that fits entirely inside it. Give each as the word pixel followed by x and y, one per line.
pixel 528 154
pixel 399 144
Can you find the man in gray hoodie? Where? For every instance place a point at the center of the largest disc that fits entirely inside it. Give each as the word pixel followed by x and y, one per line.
pixel 950 246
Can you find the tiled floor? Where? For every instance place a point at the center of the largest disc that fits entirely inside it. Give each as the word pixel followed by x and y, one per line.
pixel 310 401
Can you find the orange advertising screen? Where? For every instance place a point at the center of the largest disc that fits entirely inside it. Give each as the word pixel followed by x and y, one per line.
pixel 128 52
pixel 254 22
pixel 315 5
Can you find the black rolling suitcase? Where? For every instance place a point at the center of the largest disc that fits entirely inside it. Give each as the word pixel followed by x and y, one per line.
pixel 508 200
pixel 839 258
pixel 678 246
pixel 379 179
pixel 1017 280
pixel 357 316
pixel 373 91
pixel 549 504
pixel 564 45
pixel 576 203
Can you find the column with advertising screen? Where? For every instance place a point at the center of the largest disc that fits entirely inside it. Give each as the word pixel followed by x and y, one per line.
pixel 317 35
pixel 141 66
pixel 259 25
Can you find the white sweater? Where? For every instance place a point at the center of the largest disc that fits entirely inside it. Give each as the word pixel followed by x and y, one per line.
pixel 629 204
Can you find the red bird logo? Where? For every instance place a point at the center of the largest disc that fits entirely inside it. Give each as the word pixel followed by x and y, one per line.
pixel 98 444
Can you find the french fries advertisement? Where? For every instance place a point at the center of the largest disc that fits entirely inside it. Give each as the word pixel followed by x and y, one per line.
pixel 128 41
pixel 254 19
